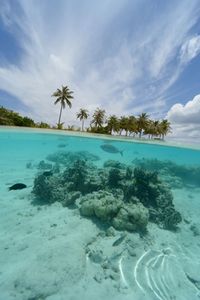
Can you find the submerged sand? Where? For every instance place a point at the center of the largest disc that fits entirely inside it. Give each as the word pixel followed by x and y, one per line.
pixel 51 252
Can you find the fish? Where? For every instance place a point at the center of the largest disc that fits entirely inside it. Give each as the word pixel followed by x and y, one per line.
pixel 119 240
pixel 111 149
pixel 17 186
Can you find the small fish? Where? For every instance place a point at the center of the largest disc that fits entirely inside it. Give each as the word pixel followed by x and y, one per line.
pixel 47 173
pixel 193 280
pixel 119 241
pixel 111 149
pixel 17 186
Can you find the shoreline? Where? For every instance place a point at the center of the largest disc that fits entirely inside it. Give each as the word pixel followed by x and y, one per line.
pixel 166 143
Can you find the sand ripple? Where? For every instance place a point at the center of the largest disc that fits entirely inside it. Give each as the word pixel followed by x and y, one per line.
pixel 159 275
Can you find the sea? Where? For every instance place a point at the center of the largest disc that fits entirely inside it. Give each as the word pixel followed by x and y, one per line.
pixel 87 216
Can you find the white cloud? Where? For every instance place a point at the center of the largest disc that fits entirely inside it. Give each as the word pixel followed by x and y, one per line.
pixel 185 114
pixel 190 49
pixel 185 119
pixel 123 73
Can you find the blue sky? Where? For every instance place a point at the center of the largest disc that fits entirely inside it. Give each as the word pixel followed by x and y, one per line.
pixel 122 55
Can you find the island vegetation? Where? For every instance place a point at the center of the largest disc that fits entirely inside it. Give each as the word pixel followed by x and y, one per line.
pixel 132 126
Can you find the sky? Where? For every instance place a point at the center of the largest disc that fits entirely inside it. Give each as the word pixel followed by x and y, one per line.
pixel 125 56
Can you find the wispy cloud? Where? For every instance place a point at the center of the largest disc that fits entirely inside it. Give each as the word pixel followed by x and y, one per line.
pixel 96 49
pixel 190 49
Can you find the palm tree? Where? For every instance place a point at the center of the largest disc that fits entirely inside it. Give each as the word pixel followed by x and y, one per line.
pixel 156 129
pixel 98 117
pixel 82 115
pixel 164 128
pixel 150 129
pixel 113 124
pixel 123 124
pixel 132 125
pixel 142 123
pixel 63 95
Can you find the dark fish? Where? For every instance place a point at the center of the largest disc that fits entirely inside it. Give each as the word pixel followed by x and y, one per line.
pixel 193 280
pixel 47 173
pixel 111 149
pixel 17 186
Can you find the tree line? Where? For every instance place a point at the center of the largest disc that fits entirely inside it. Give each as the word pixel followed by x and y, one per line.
pixel 135 126
pixel 11 118
pixel 130 125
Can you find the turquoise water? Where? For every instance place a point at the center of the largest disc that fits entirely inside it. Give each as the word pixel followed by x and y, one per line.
pixel 97 218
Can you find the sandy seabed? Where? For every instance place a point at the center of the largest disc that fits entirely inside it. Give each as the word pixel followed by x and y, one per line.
pixel 52 253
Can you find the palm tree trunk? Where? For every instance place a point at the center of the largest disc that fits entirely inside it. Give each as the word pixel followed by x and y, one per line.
pixel 82 125
pixel 60 115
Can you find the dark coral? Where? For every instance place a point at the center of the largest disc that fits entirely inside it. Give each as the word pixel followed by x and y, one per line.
pixel 75 174
pixel 151 191
pixel 84 177
pixel 170 218
pixel 48 189
pixel 129 173
pixel 114 164
pixel 146 186
pixel 114 178
pixel 177 175
pixel 117 194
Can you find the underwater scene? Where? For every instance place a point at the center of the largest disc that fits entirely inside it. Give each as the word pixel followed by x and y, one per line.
pixel 97 218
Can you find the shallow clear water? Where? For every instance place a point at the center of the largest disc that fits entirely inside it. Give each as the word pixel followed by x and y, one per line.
pixel 51 249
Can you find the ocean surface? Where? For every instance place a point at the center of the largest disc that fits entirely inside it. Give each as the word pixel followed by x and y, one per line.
pixel 94 217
